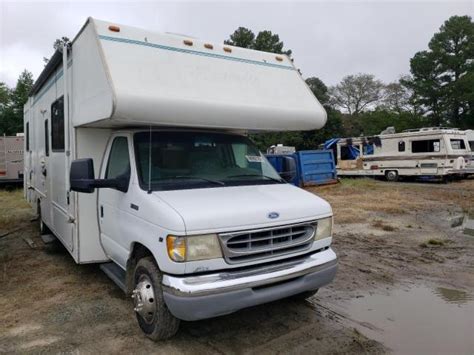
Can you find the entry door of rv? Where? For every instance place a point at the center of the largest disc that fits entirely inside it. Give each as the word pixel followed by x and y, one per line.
pixel 114 205
pixel 44 170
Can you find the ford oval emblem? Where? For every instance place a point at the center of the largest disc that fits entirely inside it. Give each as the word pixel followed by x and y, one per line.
pixel 273 215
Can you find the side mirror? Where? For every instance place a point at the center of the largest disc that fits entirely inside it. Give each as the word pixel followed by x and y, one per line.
pixel 81 176
pixel 289 168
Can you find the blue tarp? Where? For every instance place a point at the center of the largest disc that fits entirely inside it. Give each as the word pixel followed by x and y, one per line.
pixel 353 150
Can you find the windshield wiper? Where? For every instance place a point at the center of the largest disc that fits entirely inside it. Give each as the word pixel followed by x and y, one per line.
pixel 215 182
pixel 257 175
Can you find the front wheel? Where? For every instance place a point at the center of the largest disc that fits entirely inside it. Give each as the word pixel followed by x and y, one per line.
pixel 153 316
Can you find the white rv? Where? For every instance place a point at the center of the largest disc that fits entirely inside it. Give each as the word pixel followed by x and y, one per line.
pixel 426 152
pixel 137 158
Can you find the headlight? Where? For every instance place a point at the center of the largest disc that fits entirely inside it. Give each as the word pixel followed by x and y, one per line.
pixel 323 228
pixel 194 247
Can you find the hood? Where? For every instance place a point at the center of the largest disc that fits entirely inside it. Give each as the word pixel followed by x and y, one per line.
pixel 241 207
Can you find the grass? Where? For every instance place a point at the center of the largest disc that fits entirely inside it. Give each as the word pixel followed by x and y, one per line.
pixel 356 200
pixel 381 225
pixel 432 242
pixel 13 210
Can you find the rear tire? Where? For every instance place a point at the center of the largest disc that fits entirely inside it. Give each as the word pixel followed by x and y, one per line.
pixel 304 295
pixel 153 316
pixel 391 175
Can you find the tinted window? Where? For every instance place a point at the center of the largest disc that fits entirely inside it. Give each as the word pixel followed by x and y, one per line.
pixel 425 146
pixel 57 125
pixel 181 160
pixel 471 144
pixel 46 138
pixel 458 144
pixel 401 146
pixel 119 160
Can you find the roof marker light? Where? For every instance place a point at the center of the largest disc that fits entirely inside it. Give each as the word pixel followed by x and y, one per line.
pixel 209 46
pixel 188 42
pixel 114 28
pixel 280 59
pixel 227 49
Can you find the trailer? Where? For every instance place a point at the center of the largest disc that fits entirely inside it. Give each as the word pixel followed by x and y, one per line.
pixel 137 157
pixel 11 159
pixel 427 152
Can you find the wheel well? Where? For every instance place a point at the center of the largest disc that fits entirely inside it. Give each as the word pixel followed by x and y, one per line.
pixel 138 251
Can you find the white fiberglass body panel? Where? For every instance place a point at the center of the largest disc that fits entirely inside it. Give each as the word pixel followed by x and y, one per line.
pixel 146 78
pixel 209 210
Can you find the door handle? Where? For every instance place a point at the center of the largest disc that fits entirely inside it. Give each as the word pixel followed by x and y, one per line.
pixel 101 211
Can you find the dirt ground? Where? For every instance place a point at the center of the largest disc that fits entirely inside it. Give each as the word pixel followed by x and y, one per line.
pixel 386 234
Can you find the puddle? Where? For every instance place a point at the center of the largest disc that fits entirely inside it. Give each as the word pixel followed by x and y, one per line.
pixel 417 321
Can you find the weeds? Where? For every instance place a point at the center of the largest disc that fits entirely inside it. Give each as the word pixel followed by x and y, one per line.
pixel 432 242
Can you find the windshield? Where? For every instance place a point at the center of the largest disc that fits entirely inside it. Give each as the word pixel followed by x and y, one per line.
pixel 186 160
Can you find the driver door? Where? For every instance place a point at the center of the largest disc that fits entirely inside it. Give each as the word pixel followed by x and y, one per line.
pixel 113 203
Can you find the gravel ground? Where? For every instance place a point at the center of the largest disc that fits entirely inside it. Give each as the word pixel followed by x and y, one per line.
pixel 386 235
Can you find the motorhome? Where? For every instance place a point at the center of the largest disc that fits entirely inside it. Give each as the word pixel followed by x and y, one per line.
pixel 137 158
pixel 425 152
pixel 11 159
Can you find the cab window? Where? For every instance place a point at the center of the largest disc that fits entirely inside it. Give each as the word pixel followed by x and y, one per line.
pixel 118 165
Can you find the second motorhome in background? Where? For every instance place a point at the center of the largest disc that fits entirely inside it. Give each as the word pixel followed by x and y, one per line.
pixel 425 152
pixel 11 159
pixel 186 215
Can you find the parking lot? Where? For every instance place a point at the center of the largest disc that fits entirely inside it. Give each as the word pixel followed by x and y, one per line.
pixel 399 245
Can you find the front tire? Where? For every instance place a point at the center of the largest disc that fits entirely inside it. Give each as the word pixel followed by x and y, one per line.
pixel 391 175
pixel 153 316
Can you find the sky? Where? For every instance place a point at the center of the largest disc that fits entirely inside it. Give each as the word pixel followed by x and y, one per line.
pixel 329 39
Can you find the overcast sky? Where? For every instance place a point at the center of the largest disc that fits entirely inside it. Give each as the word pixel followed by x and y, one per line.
pixel 329 39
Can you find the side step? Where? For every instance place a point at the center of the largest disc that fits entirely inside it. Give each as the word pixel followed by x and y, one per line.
pixel 115 273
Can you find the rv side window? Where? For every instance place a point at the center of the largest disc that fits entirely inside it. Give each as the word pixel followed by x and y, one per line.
pixel 471 144
pixel 57 125
pixel 46 138
pixel 401 146
pixel 458 144
pixel 119 160
pixel 425 146
pixel 27 136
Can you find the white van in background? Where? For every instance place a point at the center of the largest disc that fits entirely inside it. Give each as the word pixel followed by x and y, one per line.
pixel 137 158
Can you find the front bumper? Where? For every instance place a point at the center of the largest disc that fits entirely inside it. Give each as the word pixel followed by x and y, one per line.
pixel 206 296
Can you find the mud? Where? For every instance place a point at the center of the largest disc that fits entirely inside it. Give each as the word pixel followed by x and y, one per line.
pixel 390 238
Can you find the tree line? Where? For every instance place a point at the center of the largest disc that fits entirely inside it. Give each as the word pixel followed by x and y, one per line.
pixel 439 91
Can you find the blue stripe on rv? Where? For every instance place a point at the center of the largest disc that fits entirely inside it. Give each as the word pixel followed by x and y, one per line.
pixel 190 51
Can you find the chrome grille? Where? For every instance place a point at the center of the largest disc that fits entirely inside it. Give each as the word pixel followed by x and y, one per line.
pixel 244 246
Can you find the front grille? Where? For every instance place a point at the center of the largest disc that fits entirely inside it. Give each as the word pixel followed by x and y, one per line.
pixel 244 246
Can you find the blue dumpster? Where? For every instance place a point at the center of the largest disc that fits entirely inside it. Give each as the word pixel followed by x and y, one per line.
pixel 313 167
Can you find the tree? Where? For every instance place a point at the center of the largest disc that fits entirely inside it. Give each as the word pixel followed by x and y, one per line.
pixel 58 46
pixel 443 76
pixel 265 41
pixel 242 37
pixel 396 98
pixel 356 93
pixel 319 89
pixel 12 102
